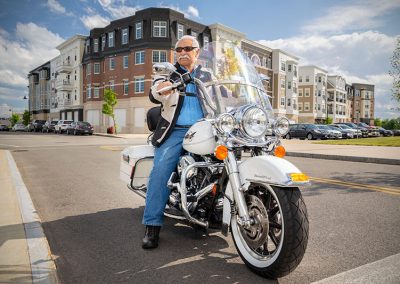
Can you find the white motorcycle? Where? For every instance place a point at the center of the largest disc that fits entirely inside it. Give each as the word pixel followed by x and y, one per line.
pixel 233 175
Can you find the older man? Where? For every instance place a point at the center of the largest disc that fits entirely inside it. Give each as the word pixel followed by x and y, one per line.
pixel 178 114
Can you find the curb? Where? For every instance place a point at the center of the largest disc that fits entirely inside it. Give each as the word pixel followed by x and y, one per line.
pixel 42 265
pixel 345 158
pixel 107 135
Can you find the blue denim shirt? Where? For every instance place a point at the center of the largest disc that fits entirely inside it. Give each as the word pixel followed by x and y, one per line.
pixel 191 110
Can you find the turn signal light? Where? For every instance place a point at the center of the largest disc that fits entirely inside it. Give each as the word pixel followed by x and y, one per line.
pixel 299 177
pixel 280 151
pixel 221 152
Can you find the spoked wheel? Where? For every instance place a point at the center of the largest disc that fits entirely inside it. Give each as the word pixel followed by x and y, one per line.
pixel 275 243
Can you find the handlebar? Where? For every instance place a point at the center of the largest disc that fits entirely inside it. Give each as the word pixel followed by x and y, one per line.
pixel 171 87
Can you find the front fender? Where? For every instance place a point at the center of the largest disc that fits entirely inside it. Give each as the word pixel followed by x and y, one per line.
pixel 269 170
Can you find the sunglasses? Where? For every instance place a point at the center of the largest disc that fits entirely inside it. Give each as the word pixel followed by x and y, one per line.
pixel 186 48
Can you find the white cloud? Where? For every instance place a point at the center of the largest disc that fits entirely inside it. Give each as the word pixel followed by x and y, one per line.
pixel 193 11
pixel 190 12
pixel 56 7
pixel 359 57
pixel 94 21
pixel 32 46
pixel 117 8
pixel 360 15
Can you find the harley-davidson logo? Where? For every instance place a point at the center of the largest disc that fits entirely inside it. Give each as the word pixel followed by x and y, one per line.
pixel 189 136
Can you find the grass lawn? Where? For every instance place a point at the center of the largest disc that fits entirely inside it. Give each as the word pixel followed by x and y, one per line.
pixel 393 141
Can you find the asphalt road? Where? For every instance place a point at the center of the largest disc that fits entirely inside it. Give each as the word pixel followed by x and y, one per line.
pixel 93 222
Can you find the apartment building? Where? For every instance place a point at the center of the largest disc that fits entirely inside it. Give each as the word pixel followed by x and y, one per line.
pixel 66 101
pixel 39 91
pixel 120 57
pixel 363 103
pixel 337 98
pixel 285 84
pixel 312 94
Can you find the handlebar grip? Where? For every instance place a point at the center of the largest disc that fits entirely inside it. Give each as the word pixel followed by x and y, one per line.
pixel 169 88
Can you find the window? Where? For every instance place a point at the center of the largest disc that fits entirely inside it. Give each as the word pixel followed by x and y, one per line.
pixel 159 56
pixel 256 60
pixel 194 34
pixel 111 85
pixel 126 61
pixel 300 79
pixel 206 40
pixel 126 87
pixel 139 85
pixel 179 33
pixel 264 61
pixel 96 45
pixel 89 91
pixel 319 107
pixel 103 42
pixel 307 92
pixel 112 63
pixel 319 93
pixel 139 57
pixel 306 106
pixel 283 83
pixel 319 79
pixel 96 92
pixel 282 101
pixel 88 69
pixel 125 36
pixel 288 102
pixel 159 29
pixel 289 85
pixel 97 68
pixel 138 30
pixel 283 66
pixel 111 39
pixel 300 106
pixel 289 68
pixel 307 78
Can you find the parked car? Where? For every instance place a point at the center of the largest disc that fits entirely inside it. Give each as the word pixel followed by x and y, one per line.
pixel 4 127
pixel 372 130
pixel 396 132
pixel 18 127
pixel 36 125
pixel 347 132
pixel 309 131
pixel 333 133
pixel 80 127
pixel 61 126
pixel 364 131
pixel 385 132
pixel 49 126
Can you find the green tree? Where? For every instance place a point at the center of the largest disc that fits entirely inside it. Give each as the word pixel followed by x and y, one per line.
pixel 395 72
pixel 26 117
pixel 14 119
pixel 110 101
pixel 378 122
pixel 329 120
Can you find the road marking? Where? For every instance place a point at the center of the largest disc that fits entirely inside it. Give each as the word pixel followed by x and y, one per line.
pixel 390 190
pixel 112 148
pixel 42 265
pixel 382 271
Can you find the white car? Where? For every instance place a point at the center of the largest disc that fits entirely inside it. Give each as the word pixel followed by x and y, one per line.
pixel 61 126
pixel 18 127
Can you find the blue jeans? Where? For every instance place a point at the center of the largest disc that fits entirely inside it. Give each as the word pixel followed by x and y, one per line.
pixel 166 158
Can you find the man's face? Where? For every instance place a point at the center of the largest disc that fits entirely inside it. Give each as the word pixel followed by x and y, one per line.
pixel 187 58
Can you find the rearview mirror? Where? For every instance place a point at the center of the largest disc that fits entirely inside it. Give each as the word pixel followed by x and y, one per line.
pixel 163 68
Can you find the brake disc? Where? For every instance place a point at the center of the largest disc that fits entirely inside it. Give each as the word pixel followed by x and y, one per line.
pixel 257 234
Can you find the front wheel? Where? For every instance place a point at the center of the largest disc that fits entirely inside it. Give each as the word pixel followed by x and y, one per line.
pixel 275 244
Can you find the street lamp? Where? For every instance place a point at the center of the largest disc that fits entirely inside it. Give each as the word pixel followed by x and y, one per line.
pixel 327 101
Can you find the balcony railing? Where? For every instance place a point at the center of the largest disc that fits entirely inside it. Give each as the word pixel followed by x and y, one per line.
pixel 64 67
pixel 64 85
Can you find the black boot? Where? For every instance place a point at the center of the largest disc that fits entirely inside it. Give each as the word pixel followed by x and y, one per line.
pixel 150 239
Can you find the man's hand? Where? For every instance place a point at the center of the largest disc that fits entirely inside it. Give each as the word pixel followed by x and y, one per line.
pixel 163 85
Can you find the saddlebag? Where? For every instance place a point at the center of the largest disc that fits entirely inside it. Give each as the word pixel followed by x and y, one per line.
pixel 136 164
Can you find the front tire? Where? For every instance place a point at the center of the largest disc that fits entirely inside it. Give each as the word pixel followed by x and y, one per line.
pixel 310 136
pixel 279 251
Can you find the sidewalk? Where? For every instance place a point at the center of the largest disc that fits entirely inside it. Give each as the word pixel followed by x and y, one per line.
pixel 24 252
pixel 308 149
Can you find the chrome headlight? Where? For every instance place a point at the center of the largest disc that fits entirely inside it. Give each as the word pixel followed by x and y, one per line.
pixel 226 123
pixel 254 122
pixel 281 126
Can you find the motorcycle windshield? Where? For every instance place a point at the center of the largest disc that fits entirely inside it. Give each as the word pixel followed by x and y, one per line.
pixel 231 79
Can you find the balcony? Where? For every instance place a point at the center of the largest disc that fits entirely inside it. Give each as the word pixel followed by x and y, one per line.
pixel 64 67
pixel 63 85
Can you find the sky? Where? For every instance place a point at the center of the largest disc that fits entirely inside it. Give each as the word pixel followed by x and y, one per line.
pixel 354 39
